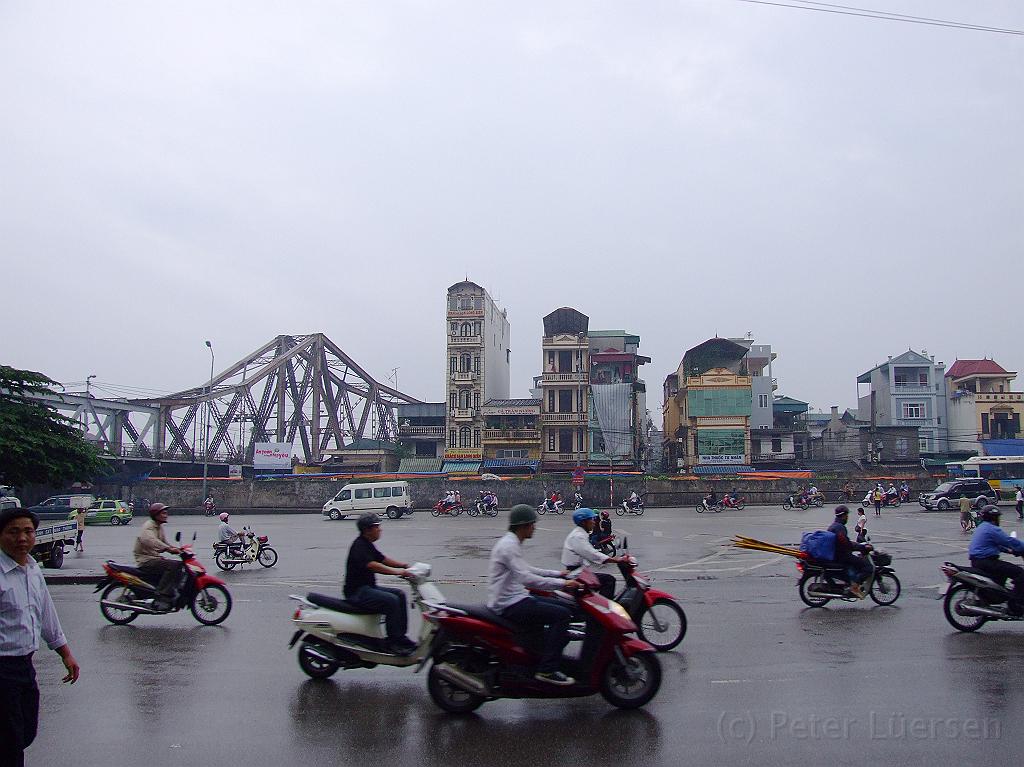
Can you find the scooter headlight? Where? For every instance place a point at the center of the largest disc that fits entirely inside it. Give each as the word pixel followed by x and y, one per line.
pixel 619 610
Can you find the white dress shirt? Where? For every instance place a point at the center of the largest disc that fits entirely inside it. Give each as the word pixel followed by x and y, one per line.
pixel 510 575
pixel 26 610
pixel 577 551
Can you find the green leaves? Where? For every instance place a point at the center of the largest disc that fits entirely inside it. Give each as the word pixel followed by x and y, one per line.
pixel 37 444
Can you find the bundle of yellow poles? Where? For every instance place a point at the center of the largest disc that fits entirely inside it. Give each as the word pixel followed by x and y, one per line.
pixel 742 542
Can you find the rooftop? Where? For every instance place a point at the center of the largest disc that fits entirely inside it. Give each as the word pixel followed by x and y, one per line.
pixel 983 367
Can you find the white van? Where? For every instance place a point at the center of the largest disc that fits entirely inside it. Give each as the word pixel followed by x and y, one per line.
pixel 390 498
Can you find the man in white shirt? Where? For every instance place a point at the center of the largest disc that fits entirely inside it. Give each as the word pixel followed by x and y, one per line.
pixel 227 534
pixel 511 576
pixel 26 614
pixel 1019 498
pixel 578 552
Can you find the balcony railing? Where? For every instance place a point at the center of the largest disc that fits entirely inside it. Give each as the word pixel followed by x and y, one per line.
pixel 464 340
pixel 912 388
pixel 564 417
pixel 512 434
pixel 421 431
pixel 1002 396
pixel 923 421
pixel 567 457
pixel 464 377
pixel 463 414
pixel 579 377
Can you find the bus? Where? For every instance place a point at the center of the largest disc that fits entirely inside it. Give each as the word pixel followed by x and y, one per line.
pixel 1004 473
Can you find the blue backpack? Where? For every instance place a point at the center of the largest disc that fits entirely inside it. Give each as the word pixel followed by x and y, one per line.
pixel 821 544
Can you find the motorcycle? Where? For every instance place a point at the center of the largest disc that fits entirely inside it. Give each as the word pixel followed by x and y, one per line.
pixel 822 581
pixel 625 508
pixel 209 507
pixel 485 507
pixel 578 502
pixel 338 635
pixel 659 618
pixel 558 507
pixel 479 656
pixel 739 503
pixel 604 543
pixel 793 501
pixel 716 507
pixel 228 555
pixel 447 509
pixel 127 593
pixel 973 598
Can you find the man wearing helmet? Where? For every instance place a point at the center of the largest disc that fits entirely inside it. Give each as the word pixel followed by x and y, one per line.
pixel 149 546
pixel 365 562
pixel 858 568
pixel 986 544
pixel 227 534
pixel 511 576
pixel 578 552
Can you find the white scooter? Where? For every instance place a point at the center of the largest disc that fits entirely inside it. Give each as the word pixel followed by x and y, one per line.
pixel 336 634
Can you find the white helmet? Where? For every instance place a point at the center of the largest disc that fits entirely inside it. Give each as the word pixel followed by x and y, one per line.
pixel 223 516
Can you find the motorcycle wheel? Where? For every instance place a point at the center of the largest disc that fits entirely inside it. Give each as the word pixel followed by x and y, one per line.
pixel 473 511
pixel 619 511
pixel 700 508
pixel 542 510
pixel 811 599
pixel 211 605
pixel 956 596
pixel 632 684
pixel 492 513
pixel 112 614
pixel 787 505
pixel 740 505
pixel 220 558
pixel 267 557
pixel 662 625
pixel 456 511
pixel 803 507
pixel 448 697
pixel 559 510
pixel 434 512
pixel 639 511
pixel 315 668
pixel 885 589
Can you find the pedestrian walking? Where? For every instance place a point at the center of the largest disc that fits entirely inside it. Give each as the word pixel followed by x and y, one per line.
pixel 80 522
pixel 1020 502
pixel 862 525
pixel 28 614
pixel 965 512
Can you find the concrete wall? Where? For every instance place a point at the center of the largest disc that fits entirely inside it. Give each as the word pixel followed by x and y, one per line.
pixel 310 494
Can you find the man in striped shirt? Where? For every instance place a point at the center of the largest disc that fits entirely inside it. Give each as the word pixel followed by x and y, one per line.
pixel 26 614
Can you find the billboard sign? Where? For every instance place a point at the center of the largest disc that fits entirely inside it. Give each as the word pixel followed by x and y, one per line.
pixel 715 460
pixel 272 455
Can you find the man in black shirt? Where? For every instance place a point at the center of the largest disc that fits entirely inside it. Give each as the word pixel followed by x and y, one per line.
pixel 361 589
pixel 857 568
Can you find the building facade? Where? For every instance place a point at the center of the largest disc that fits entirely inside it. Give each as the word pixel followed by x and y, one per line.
pixel 981 407
pixel 618 400
pixel 477 370
pixel 421 428
pixel 565 385
pixel 907 390
pixel 707 408
pixel 511 436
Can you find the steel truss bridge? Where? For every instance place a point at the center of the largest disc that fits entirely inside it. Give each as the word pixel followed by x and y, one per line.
pixel 303 390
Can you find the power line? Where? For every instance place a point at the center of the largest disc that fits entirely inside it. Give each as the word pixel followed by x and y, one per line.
pixel 867 13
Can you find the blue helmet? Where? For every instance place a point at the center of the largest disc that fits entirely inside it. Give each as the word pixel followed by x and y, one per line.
pixel 582 515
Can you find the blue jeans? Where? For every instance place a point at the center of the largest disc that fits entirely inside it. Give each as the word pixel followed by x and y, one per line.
pixel 537 613
pixel 389 602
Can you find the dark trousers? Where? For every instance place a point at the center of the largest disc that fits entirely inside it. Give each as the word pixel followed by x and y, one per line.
pixel 169 572
pixel 1020 509
pixel 389 602
pixel 857 568
pixel 878 508
pixel 550 614
pixel 999 571
pixel 19 708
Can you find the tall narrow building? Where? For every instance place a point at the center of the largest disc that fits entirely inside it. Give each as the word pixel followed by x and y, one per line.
pixel 565 390
pixel 478 370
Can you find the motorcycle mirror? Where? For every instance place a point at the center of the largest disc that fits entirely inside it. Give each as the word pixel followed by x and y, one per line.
pixel 177 536
pixel 625 544
pixel 193 536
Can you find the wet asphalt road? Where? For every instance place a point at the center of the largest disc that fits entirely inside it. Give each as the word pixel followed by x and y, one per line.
pixel 759 679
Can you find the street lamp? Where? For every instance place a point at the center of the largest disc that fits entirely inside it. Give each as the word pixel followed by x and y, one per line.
pixel 206 440
pixel 87 380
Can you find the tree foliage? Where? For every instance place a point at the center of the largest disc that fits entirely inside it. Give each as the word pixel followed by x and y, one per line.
pixel 38 444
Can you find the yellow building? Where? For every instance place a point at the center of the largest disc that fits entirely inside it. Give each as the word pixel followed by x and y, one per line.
pixel 981 406
pixel 511 436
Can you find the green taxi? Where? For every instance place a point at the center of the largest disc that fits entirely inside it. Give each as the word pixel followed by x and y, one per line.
pixel 106 511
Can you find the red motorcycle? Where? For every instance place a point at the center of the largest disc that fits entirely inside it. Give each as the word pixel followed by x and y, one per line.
pixel 442 507
pixel 729 502
pixel 479 656
pixel 129 592
pixel 656 613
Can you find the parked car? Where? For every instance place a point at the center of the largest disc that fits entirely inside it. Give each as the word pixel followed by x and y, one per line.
pixel 8 501
pixel 106 511
pixel 59 506
pixel 948 494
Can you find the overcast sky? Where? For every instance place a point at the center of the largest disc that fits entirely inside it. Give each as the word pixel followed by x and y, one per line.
pixel 842 188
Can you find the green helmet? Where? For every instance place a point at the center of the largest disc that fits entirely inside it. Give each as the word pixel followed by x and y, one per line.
pixel 521 514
